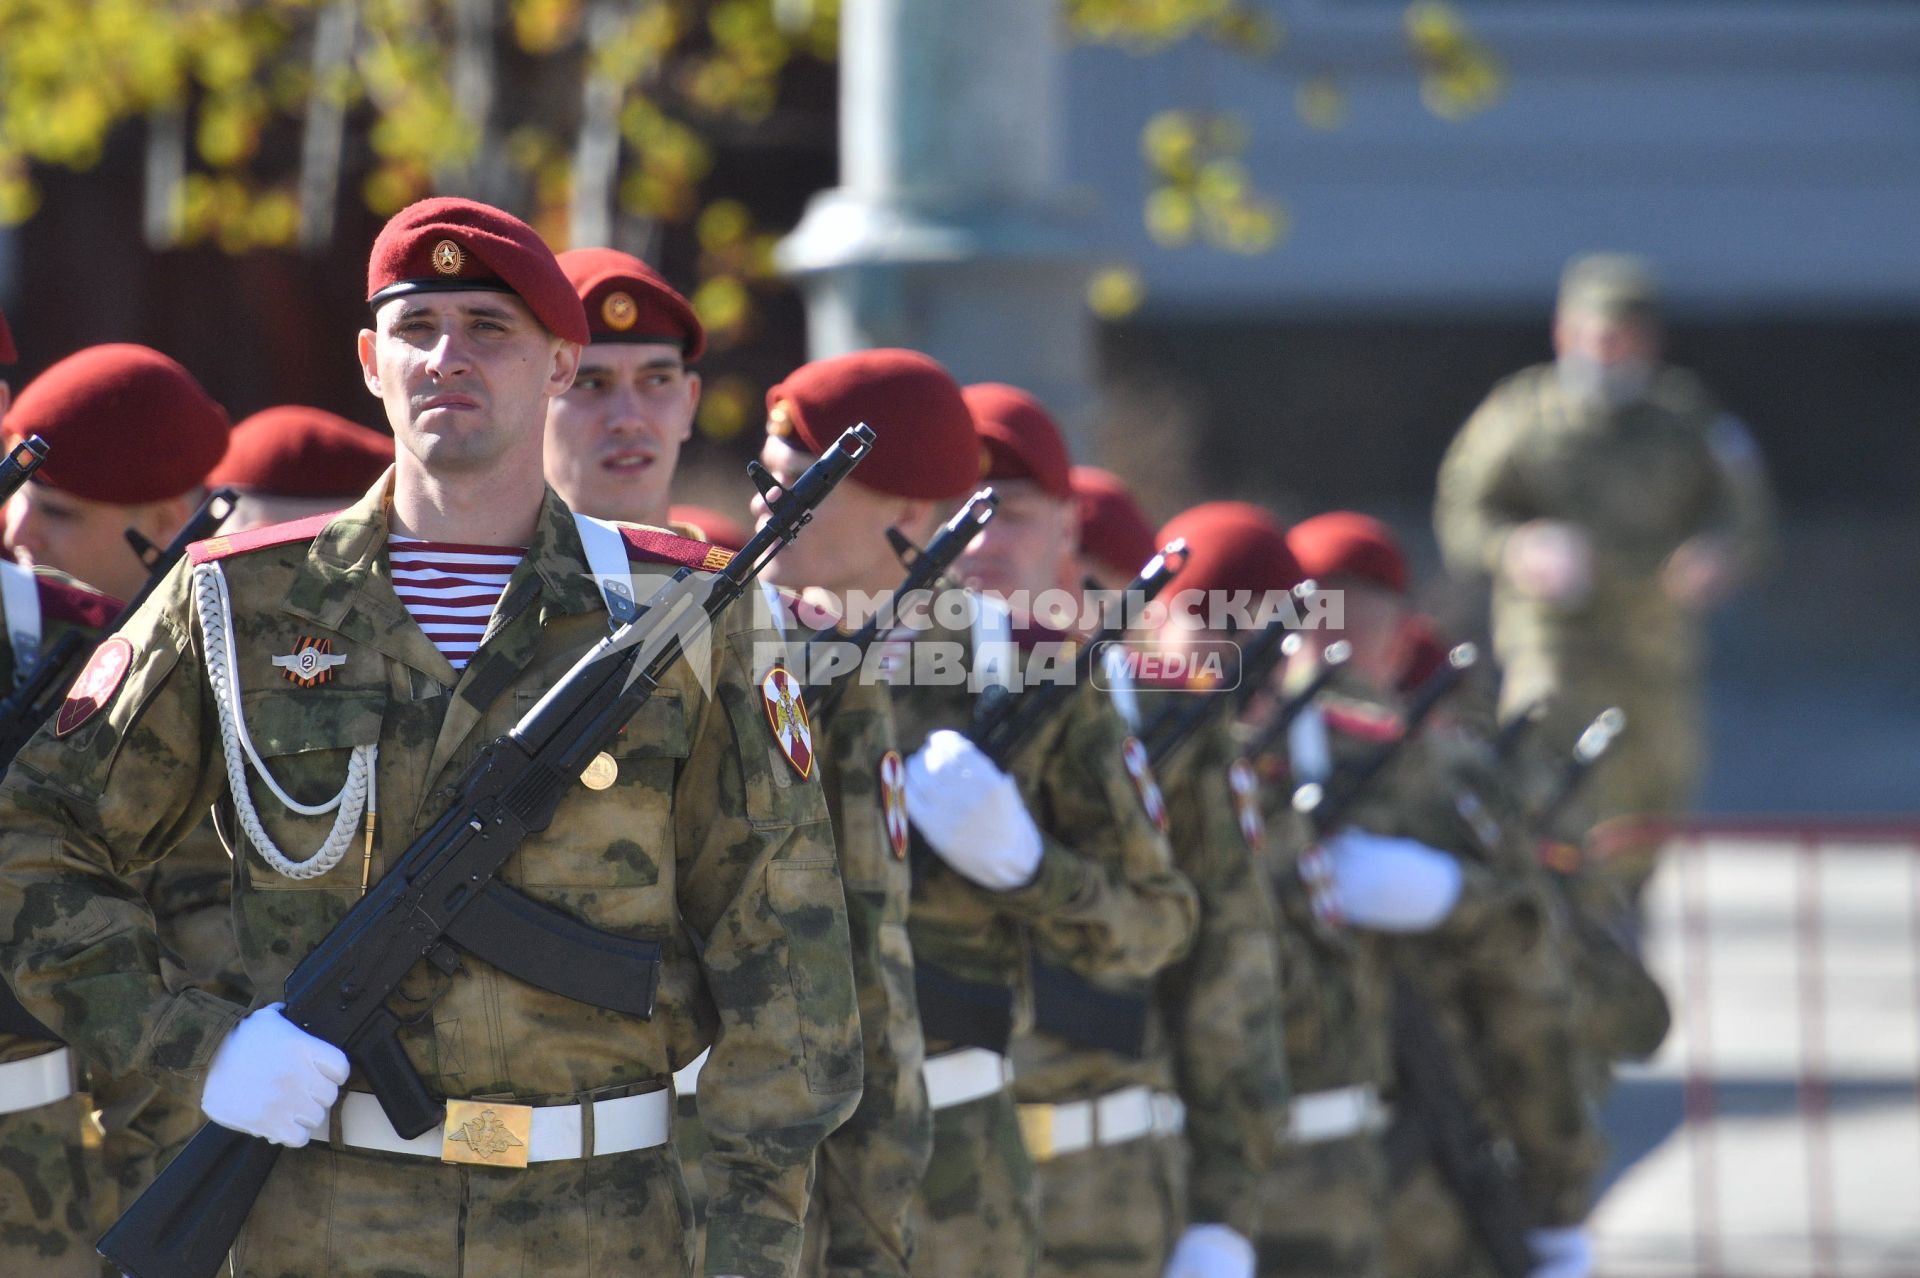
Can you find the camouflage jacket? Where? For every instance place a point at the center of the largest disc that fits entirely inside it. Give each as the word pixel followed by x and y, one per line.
pixel 1105 901
pixel 1639 481
pixel 870 1168
pixel 709 840
pixel 1221 1003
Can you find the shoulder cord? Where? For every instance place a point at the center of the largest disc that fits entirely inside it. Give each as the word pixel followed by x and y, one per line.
pixel 356 797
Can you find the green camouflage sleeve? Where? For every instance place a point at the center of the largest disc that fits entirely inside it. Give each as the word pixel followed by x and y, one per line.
pixel 760 890
pixel 84 811
pixel 1223 999
pixel 1106 900
pixel 1477 500
pixel 871 1166
pixel 1744 505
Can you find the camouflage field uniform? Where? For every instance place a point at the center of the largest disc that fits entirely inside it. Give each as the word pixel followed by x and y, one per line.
pixel 49 1176
pixel 1639 481
pixel 708 841
pixel 869 1169
pixel 1212 1041
pixel 1503 995
pixel 1105 902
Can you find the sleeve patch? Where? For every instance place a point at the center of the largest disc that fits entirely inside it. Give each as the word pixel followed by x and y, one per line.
pixel 106 670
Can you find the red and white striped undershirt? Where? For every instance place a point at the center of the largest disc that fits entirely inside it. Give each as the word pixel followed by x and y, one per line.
pixel 451 589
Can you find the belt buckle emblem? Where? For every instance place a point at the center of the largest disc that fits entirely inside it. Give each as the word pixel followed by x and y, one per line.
pixel 486 1133
pixel 1036 1129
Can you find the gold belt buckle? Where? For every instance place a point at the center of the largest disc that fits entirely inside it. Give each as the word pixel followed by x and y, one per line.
pixel 486 1133
pixel 1036 1129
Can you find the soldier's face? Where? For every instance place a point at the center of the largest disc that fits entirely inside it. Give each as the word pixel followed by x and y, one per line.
pixel 86 539
pixel 1028 546
pixel 845 546
pixel 465 378
pixel 613 438
pixel 1377 624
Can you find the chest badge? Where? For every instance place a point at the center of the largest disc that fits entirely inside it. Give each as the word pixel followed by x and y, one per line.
pixel 311 662
pixel 1134 756
pixel 601 773
pixel 893 802
pixel 787 716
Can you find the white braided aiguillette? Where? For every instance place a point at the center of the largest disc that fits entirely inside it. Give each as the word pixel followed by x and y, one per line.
pixel 216 630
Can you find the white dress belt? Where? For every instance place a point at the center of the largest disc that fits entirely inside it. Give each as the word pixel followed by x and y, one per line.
pixel 1336 1114
pixel 964 1074
pixel 1126 1114
pixel 36 1081
pixel 619 1125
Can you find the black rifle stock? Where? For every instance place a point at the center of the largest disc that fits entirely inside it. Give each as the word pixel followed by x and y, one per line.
pixel 1474 1167
pixel 924 569
pixel 442 896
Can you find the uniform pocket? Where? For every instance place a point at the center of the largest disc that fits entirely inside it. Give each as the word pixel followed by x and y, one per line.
pixel 306 740
pixel 808 900
pixel 614 827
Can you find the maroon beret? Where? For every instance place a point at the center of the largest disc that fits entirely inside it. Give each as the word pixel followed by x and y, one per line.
pixel 124 424
pixel 711 525
pixel 452 245
pixel 1345 543
pixel 924 446
pixel 1113 529
pixel 1232 545
pixel 628 301
pixel 296 451
pixel 1021 438
pixel 8 355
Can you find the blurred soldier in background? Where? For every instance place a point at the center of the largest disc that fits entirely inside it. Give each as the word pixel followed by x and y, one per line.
pixel 293 461
pixel 1613 502
pixel 132 437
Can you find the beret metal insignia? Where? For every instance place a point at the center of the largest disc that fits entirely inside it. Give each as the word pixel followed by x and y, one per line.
pixel 311 661
pixel 619 311
pixel 780 421
pixel 448 257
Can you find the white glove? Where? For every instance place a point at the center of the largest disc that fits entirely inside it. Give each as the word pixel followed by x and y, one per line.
pixel 1392 884
pixel 970 812
pixel 1210 1251
pixel 272 1079
pixel 1566 1252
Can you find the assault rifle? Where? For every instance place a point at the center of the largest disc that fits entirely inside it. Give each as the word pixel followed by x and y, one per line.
pixel 443 896
pixel 1434 1113
pixel 1331 660
pixel 21 461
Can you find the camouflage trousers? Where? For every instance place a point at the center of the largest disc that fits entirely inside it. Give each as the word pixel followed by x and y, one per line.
pixel 47 1224
pixel 1321 1211
pixel 1427 1236
pixel 977 1215
pixel 327 1213
pixel 1112 1212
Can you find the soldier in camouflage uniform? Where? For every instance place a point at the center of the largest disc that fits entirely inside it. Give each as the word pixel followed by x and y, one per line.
pixel 699 829
pixel 612 443
pixel 1494 974
pixel 1613 502
pixel 1098 1093
pixel 1094 889
pixel 131 437
pixel 46 1186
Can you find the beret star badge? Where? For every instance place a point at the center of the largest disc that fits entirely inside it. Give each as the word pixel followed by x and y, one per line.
pixel 619 311
pixel 311 661
pixel 448 257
